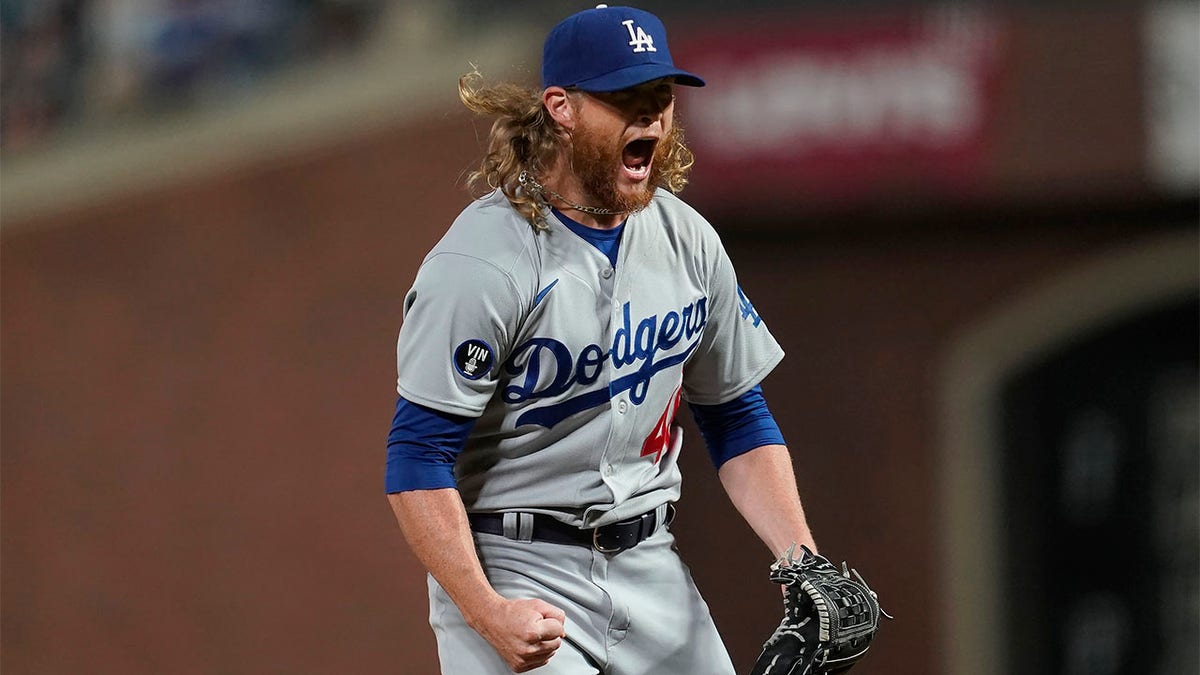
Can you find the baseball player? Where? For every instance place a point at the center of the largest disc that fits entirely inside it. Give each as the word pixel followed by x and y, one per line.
pixel 548 341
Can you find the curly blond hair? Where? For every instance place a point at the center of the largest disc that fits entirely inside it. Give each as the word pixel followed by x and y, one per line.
pixel 525 137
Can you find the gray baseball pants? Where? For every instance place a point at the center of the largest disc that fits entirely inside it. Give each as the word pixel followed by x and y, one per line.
pixel 635 612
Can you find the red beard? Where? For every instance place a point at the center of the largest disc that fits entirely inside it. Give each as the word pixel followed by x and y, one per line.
pixel 597 161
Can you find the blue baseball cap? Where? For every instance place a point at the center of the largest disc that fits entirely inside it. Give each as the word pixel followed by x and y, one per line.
pixel 607 49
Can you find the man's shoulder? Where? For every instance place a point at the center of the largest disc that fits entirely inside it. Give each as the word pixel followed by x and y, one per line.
pixel 682 216
pixel 670 202
pixel 488 229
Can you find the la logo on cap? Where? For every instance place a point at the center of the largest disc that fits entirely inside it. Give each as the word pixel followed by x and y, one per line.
pixel 638 40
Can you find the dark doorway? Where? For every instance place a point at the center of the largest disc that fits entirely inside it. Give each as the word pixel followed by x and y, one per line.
pixel 1101 523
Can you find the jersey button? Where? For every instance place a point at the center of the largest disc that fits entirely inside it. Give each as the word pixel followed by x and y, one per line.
pixel 606 272
pixel 622 406
pixel 608 469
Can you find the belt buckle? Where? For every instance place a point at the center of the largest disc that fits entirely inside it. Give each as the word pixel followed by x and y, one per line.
pixel 596 543
pixel 631 532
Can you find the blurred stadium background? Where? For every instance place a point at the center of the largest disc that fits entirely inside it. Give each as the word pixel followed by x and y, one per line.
pixel 972 226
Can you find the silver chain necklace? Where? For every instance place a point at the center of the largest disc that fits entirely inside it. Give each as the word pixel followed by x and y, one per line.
pixel 529 183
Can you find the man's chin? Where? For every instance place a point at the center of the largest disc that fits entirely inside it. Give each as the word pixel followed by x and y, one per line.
pixel 636 201
pixel 634 196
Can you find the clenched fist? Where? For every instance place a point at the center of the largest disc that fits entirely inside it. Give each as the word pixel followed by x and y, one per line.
pixel 525 633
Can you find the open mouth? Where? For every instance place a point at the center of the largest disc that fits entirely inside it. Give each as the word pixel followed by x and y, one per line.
pixel 636 158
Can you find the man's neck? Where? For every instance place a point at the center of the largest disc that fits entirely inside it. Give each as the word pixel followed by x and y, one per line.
pixel 567 185
pixel 592 220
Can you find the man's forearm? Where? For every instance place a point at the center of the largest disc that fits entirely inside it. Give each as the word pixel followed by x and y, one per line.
pixel 524 632
pixel 435 524
pixel 762 485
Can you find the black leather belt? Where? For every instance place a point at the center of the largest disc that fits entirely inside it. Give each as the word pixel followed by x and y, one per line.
pixel 606 539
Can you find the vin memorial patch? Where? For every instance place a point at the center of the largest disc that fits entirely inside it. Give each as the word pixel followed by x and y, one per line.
pixel 473 359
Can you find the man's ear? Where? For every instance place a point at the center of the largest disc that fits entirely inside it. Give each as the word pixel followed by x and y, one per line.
pixel 560 106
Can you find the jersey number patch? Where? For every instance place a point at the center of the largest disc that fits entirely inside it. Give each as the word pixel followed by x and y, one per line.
pixel 659 440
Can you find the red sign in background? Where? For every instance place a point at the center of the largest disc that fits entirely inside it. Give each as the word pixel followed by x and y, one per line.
pixel 843 109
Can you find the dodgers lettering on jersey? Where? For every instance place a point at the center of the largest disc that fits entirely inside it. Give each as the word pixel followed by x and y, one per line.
pixel 640 345
pixel 574 369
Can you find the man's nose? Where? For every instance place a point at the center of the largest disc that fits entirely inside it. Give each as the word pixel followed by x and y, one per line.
pixel 648 112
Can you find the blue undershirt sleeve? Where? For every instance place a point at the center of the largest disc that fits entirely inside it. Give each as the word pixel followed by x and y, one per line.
pixel 736 427
pixel 422 447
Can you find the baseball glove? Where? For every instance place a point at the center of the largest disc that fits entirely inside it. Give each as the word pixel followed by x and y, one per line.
pixel 829 618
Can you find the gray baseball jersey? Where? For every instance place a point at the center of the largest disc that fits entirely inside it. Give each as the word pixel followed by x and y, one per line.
pixel 575 368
